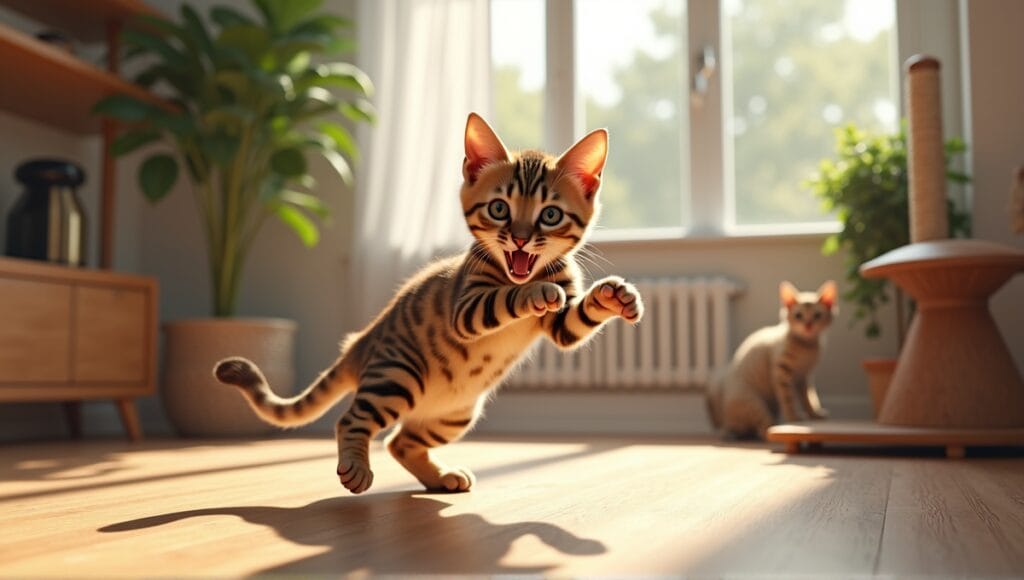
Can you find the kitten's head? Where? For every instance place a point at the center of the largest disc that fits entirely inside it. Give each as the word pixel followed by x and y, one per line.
pixel 528 208
pixel 808 313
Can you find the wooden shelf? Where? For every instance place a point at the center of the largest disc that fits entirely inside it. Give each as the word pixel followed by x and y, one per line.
pixel 84 20
pixel 46 84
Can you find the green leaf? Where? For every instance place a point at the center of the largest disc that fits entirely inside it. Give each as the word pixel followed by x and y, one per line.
pixel 181 124
pixel 342 45
pixel 339 164
pixel 234 81
pixel 124 108
pixel 194 27
pixel 171 56
pixel 299 223
pixel 157 176
pixel 252 41
pixel 148 23
pixel 306 201
pixel 231 118
pixel 289 162
pixel 831 245
pixel 322 24
pixel 342 139
pixel 957 177
pixel 132 140
pixel 281 15
pixel 226 17
pixel 360 111
pixel 341 75
pixel 220 148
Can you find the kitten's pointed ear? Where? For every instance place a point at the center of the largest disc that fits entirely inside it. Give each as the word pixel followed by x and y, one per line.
pixel 483 147
pixel 585 161
pixel 827 293
pixel 787 294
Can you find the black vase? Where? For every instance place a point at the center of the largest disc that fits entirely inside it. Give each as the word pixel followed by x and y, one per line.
pixel 47 221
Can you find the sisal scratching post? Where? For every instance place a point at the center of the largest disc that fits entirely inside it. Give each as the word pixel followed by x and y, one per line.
pixel 927 160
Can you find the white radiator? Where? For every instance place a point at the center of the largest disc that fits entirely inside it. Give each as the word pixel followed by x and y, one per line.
pixel 681 341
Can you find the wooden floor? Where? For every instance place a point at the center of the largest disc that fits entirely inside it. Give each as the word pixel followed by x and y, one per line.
pixel 563 507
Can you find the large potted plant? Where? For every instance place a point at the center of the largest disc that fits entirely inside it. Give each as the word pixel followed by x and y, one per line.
pixel 248 105
pixel 866 186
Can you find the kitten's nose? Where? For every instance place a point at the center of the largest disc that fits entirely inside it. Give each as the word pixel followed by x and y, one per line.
pixel 519 242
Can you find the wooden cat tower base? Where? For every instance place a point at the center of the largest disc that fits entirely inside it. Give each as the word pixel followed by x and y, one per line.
pixel 955 384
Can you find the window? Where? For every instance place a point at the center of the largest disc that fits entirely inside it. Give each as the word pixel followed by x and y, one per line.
pixel 728 156
pixel 518 72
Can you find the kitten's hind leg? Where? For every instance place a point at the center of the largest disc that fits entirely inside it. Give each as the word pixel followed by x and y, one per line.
pixel 746 415
pixel 376 407
pixel 412 445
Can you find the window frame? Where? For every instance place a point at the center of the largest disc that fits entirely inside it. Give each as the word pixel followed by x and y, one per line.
pixel 931 26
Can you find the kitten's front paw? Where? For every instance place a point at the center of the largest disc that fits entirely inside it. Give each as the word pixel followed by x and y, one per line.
pixel 355 474
pixel 539 298
pixel 619 296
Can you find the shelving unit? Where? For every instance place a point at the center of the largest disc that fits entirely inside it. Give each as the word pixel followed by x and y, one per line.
pixel 54 87
pixel 71 333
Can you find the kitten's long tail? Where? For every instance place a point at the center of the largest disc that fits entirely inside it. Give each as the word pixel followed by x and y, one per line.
pixel 330 386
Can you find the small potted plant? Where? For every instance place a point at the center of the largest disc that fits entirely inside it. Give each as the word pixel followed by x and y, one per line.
pixel 248 105
pixel 866 185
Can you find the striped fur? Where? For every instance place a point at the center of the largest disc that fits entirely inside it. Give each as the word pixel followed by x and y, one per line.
pixel 427 363
pixel 770 373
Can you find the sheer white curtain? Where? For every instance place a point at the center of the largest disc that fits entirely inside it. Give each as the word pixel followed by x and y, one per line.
pixel 430 62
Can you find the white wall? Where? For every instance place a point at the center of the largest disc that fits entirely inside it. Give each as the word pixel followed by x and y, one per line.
pixel 994 57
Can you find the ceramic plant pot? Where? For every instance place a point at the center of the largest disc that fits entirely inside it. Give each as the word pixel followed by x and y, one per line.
pixel 879 371
pixel 199 406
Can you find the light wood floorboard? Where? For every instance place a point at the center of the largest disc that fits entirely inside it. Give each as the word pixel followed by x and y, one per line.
pixel 558 507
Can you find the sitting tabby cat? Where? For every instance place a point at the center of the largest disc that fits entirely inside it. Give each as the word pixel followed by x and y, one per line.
pixel 772 367
pixel 453 331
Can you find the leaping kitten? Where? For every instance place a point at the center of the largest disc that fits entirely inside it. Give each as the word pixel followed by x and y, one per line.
pixel 773 366
pixel 454 330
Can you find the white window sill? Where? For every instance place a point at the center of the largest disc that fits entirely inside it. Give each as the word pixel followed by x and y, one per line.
pixel 783 233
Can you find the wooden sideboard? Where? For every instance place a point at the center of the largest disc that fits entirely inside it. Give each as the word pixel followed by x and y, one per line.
pixel 71 334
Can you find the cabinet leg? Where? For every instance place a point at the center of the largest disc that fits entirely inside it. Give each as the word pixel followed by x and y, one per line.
pixel 130 418
pixel 73 416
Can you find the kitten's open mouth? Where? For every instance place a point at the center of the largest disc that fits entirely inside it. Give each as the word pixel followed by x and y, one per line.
pixel 520 264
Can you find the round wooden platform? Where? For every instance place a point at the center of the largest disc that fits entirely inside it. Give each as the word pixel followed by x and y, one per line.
pixel 870 433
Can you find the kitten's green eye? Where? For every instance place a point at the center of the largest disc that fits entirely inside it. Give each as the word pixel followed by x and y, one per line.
pixel 817 316
pixel 799 315
pixel 498 209
pixel 550 216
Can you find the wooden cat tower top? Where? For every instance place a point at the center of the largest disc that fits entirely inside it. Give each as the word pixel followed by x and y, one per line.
pixel 955 383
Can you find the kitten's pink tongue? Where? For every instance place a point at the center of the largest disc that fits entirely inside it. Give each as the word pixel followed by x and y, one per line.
pixel 520 263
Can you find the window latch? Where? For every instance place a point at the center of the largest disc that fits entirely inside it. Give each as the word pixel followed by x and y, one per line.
pixel 707 62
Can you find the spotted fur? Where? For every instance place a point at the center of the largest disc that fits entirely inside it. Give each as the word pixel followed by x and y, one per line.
pixel 450 335
pixel 770 373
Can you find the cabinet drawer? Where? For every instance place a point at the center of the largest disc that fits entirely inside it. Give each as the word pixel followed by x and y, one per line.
pixel 110 335
pixel 35 340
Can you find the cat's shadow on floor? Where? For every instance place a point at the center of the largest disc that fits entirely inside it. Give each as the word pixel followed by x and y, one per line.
pixel 399 532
